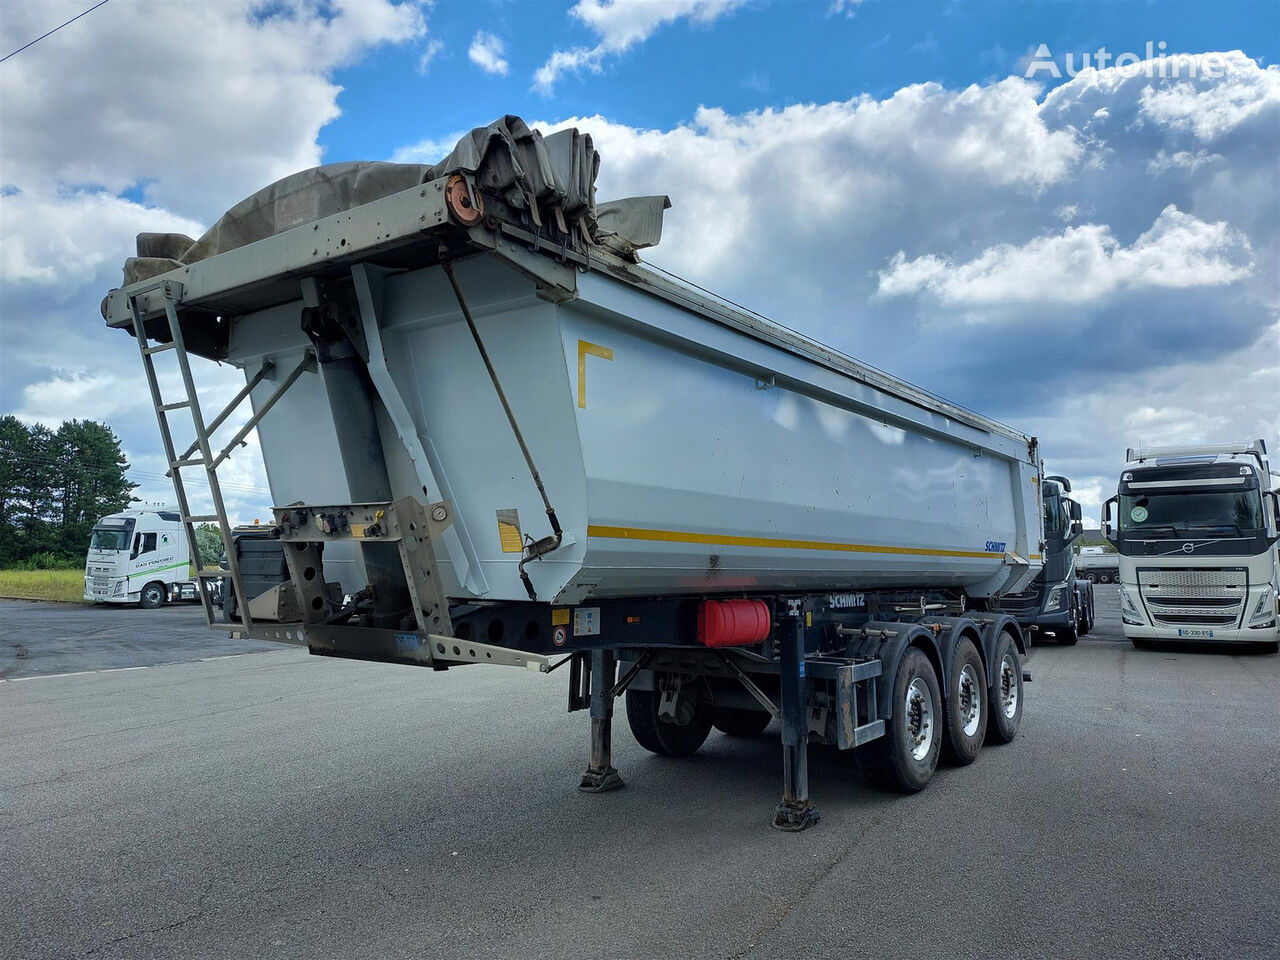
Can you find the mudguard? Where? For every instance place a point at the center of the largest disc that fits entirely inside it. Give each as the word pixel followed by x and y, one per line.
pixel 890 650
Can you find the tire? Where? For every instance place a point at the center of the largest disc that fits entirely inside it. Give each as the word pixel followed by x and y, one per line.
pixel 1006 694
pixel 229 604
pixel 1086 625
pixel 153 595
pixel 1091 577
pixel 736 722
pixel 658 735
pixel 897 761
pixel 966 705
pixel 1106 578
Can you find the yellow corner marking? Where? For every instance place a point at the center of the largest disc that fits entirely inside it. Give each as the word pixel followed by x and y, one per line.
pixel 595 350
pixel 683 536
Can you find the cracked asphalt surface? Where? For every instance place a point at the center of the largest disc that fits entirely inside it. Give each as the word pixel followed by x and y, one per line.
pixel 282 805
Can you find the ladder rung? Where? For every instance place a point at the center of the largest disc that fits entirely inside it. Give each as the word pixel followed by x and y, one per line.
pixel 159 348
pixel 175 406
pixel 201 519
pixel 198 462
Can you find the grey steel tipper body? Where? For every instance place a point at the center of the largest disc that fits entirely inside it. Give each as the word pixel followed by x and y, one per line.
pixel 493 435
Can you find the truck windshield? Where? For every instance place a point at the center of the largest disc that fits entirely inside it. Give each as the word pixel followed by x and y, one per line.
pixel 1174 512
pixel 110 538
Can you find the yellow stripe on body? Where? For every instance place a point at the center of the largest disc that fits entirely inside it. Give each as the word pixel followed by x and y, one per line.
pixel 684 536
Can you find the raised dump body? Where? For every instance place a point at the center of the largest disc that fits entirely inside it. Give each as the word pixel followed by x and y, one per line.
pixel 484 420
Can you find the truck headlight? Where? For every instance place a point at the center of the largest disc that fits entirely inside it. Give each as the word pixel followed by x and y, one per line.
pixel 119 588
pixel 1264 613
pixel 1056 594
pixel 1129 611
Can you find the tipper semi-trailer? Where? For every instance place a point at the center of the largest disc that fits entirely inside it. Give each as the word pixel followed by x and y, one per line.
pixel 494 436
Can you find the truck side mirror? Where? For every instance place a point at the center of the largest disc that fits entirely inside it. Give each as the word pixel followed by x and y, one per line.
pixel 1077 529
pixel 1106 519
pixel 1273 524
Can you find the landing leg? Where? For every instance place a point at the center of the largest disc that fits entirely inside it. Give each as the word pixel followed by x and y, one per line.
pixel 600 775
pixel 795 812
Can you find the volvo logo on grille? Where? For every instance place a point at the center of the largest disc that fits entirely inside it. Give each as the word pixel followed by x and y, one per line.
pixel 1188 548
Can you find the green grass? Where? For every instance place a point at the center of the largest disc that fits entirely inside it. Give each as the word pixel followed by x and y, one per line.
pixel 42 584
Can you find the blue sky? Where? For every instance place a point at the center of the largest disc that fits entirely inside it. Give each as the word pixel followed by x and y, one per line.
pixel 1095 260
pixel 761 55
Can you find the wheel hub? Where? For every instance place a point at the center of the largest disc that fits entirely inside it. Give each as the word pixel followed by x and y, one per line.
pixel 919 714
pixel 969 701
pixel 1008 687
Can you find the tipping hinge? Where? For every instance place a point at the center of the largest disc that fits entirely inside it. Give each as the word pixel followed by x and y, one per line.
pixel 406 522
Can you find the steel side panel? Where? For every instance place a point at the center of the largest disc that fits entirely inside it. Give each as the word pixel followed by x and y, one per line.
pixel 672 435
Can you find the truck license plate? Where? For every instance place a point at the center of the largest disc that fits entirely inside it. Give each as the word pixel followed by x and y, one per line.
pixel 1204 634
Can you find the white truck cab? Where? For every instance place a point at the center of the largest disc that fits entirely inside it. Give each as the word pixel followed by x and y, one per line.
pixel 139 556
pixel 1196 530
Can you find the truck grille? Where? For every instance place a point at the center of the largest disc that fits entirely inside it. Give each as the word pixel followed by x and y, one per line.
pixel 1021 604
pixel 1194 597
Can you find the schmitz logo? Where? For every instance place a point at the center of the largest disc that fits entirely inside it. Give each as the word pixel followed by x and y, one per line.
pixel 839 601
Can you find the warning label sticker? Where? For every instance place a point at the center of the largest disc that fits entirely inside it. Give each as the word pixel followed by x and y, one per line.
pixel 558 636
pixel 586 622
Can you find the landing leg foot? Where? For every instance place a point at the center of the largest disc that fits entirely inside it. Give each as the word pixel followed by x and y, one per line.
pixel 600 781
pixel 601 775
pixel 794 817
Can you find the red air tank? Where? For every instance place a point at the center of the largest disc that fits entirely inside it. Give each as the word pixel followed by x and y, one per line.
pixel 733 623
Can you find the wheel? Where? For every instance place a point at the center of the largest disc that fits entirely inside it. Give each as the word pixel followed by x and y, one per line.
pixel 1141 643
pixel 1006 693
pixel 966 707
pixel 657 734
pixel 905 758
pixel 1086 621
pixel 1104 578
pixel 229 605
pixel 153 595
pixel 736 722
pixel 1091 576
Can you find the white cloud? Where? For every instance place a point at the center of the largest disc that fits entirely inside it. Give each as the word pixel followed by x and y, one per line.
pixel 432 50
pixel 197 103
pixel 64 242
pixel 1082 265
pixel 487 52
pixel 620 25
pixel 846 7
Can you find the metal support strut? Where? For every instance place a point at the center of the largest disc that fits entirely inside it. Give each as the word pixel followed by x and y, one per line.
pixel 600 775
pixel 795 812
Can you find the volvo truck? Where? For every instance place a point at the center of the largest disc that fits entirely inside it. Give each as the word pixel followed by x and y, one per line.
pixel 139 556
pixel 1196 530
pixel 494 436
pixel 1057 602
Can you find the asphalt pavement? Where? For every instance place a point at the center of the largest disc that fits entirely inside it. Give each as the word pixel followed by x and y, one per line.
pixel 37 639
pixel 280 805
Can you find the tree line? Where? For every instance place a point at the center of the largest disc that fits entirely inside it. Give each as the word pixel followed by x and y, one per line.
pixel 54 485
